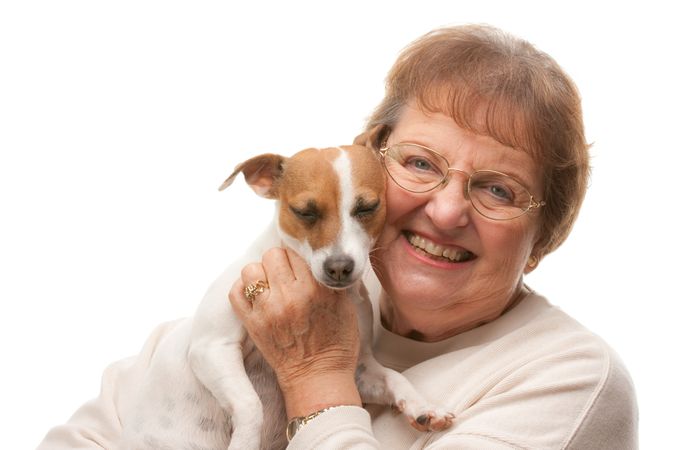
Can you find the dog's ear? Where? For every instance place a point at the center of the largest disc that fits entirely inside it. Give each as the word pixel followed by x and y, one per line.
pixel 373 138
pixel 260 173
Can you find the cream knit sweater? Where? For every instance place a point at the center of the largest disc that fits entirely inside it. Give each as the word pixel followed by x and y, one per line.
pixel 534 378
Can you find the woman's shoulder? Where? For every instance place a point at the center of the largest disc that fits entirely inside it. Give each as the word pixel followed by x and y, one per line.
pixel 563 354
pixel 546 329
pixel 558 362
pixel 541 335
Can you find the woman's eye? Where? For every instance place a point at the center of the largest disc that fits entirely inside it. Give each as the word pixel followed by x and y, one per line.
pixel 419 163
pixel 500 192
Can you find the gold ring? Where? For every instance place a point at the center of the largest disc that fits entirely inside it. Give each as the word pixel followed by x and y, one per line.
pixel 253 289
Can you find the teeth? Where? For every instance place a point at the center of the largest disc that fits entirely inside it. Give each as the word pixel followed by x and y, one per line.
pixel 436 250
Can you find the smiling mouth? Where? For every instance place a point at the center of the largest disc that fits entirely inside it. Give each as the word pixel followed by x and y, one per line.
pixel 428 248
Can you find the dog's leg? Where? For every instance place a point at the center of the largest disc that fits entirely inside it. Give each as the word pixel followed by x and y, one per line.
pixel 380 385
pixel 219 365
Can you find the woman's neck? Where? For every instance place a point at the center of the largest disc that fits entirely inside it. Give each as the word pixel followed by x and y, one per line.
pixel 457 318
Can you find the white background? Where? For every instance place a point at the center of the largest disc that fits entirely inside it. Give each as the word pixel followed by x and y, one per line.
pixel 119 120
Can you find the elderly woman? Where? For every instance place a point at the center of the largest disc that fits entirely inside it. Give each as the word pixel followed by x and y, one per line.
pixel 482 138
pixel 483 142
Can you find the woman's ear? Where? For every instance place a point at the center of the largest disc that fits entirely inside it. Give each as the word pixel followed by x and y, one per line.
pixel 532 263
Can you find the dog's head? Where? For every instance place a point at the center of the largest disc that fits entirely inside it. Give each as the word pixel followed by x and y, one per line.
pixel 331 205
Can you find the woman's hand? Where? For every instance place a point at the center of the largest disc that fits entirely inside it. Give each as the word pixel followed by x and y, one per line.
pixel 307 333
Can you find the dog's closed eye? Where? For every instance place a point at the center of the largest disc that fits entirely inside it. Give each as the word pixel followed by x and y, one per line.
pixel 309 213
pixel 364 209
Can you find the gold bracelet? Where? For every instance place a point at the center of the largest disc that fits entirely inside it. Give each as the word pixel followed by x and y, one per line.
pixel 298 422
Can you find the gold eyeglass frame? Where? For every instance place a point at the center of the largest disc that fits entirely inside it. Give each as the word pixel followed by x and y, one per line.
pixel 534 204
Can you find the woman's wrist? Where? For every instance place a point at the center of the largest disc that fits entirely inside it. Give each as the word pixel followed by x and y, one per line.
pixel 315 392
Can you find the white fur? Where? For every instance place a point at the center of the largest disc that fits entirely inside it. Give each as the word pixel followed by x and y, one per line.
pixel 353 240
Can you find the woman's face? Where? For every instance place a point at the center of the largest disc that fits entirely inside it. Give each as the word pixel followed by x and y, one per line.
pixel 432 297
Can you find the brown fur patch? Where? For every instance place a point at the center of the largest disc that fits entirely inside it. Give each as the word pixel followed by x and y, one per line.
pixel 369 184
pixel 311 185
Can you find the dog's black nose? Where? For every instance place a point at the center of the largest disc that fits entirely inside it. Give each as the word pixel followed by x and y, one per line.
pixel 338 268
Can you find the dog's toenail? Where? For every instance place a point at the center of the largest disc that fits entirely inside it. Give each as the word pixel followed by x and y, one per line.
pixel 423 419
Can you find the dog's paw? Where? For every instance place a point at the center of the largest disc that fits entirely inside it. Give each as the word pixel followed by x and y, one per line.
pixel 383 386
pixel 424 418
pixel 432 421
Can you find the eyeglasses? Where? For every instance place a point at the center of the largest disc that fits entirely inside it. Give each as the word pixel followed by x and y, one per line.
pixel 493 194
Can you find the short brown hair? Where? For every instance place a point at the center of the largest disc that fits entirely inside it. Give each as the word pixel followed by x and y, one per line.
pixel 495 84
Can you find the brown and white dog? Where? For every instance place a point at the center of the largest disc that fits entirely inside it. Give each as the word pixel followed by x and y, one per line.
pixel 208 384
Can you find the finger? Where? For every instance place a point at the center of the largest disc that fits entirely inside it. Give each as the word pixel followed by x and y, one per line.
pixel 298 265
pixel 254 282
pixel 253 272
pixel 239 302
pixel 276 265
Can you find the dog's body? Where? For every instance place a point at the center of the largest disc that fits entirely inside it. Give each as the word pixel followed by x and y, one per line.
pixel 207 384
pixel 175 409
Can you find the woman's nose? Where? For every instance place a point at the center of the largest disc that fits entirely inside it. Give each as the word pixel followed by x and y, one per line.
pixel 449 205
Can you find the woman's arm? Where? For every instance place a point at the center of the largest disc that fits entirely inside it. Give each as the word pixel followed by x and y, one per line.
pixel 96 425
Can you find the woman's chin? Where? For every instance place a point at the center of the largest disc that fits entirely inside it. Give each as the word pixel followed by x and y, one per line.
pixel 419 276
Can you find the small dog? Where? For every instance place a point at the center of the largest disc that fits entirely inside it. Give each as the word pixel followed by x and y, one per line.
pixel 208 383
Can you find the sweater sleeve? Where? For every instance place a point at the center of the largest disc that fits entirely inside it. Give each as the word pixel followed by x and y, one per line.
pixel 96 424
pixel 347 427
pixel 611 420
